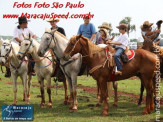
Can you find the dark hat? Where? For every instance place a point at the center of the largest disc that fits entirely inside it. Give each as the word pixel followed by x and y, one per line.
pixel 22 20
pixel 122 26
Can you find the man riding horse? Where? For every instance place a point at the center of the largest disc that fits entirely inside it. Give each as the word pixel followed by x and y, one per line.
pixel 148 30
pixel 22 30
pixel 121 45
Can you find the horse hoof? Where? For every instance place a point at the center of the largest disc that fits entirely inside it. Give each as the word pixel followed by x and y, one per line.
pixel 98 104
pixel 73 110
pixel 14 103
pixel 144 112
pixel 49 105
pixel 104 113
pixel 115 105
pixel 65 102
pixel 42 105
pixel 23 99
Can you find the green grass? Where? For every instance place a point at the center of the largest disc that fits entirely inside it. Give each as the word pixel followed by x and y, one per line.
pixel 126 110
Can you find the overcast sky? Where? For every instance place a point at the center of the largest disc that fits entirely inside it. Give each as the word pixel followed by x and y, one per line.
pixel 111 11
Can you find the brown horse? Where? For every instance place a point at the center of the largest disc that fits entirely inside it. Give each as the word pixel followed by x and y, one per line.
pixel 143 64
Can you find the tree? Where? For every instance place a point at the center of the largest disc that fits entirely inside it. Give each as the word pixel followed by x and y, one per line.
pixel 127 21
pixel 115 34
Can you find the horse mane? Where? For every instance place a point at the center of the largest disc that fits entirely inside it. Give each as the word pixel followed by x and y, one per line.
pixel 61 35
pixel 92 47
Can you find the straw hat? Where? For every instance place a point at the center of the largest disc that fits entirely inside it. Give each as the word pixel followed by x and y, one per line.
pixel 105 31
pixel 146 25
pixel 105 25
pixel 53 20
pixel 122 26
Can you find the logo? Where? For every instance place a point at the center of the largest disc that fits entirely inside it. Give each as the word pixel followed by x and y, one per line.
pixel 17 112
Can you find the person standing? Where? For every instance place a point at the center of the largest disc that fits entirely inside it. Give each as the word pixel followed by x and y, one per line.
pixel 87 29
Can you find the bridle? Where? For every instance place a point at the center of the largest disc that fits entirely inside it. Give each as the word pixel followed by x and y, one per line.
pixel 24 53
pixel 7 55
pixel 50 40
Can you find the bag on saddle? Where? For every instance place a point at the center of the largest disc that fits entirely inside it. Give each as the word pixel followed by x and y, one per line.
pixel 124 58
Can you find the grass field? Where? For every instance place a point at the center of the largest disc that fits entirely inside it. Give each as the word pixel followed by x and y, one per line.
pixel 127 110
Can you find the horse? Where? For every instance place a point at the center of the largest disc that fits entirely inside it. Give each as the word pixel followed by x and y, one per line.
pixel 9 50
pixel 44 68
pixel 143 64
pixel 52 39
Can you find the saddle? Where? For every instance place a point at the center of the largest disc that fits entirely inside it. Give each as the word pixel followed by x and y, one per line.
pixel 125 57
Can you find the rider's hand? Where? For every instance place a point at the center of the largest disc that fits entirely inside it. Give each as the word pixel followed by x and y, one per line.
pixel 157 31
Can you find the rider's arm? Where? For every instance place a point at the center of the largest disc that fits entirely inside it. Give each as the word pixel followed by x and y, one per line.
pixel 18 40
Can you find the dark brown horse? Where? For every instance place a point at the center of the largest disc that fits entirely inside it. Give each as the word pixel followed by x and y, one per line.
pixel 143 64
pixel 150 46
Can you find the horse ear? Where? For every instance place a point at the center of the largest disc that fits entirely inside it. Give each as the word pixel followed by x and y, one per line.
pixel 112 38
pixel 78 36
pixel 52 31
pixel 1 40
pixel 29 36
pixel 23 35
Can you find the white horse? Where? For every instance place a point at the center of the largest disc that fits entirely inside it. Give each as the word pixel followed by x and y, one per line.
pixel 9 51
pixel 58 42
pixel 44 68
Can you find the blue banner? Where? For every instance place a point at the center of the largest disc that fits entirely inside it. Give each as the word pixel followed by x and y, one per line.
pixel 17 112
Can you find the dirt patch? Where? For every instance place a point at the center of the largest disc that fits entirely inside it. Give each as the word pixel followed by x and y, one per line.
pixel 93 90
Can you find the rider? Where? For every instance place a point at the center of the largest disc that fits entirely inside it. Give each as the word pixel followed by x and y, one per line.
pixel 21 30
pixel 148 30
pixel 106 26
pixel 103 36
pixel 121 44
pixel 53 23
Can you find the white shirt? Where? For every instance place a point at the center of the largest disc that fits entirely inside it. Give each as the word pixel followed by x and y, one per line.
pixel 124 39
pixel 153 29
pixel 18 33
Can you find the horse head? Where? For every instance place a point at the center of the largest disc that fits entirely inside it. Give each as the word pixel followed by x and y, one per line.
pixel 74 46
pixel 26 47
pixel 47 42
pixel 6 49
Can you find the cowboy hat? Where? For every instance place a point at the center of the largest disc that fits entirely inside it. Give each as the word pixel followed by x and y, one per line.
pixel 122 26
pixel 53 20
pixel 22 20
pixel 146 25
pixel 105 31
pixel 105 25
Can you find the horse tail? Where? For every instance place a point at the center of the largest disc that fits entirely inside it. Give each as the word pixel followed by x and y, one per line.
pixel 109 86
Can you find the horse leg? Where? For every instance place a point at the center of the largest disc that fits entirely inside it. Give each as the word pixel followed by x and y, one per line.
pixel 41 81
pixel 141 94
pixel 100 98
pixel 24 81
pixel 103 87
pixel 29 86
pixel 14 80
pixel 74 93
pixel 148 85
pixel 70 88
pixel 66 92
pixel 98 91
pixel 115 86
pixel 49 91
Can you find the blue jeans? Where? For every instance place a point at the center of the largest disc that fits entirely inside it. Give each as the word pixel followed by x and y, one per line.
pixel 117 58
